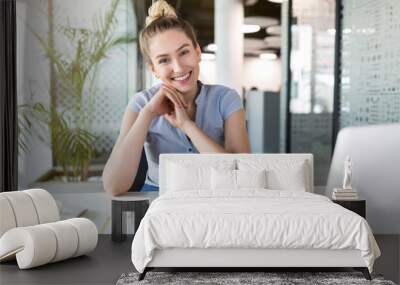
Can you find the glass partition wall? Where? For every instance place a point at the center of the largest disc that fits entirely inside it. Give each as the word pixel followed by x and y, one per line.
pixel 312 49
pixel 370 69
pixel 342 64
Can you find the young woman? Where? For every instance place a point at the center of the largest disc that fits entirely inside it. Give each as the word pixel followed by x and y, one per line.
pixel 179 115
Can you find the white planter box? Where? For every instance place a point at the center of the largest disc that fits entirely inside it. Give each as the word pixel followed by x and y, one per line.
pixel 70 187
pixel 85 198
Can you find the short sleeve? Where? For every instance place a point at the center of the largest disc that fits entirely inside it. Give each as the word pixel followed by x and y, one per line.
pixel 230 103
pixel 137 102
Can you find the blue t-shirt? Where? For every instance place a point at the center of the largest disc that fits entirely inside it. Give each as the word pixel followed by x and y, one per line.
pixel 214 104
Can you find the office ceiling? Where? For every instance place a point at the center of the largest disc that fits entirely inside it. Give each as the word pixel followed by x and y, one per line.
pixel 200 13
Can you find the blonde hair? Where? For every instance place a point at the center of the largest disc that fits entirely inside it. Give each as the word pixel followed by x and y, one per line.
pixel 160 9
pixel 162 17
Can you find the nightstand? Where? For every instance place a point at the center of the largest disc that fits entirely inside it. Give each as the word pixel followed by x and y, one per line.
pixel 357 206
pixel 136 202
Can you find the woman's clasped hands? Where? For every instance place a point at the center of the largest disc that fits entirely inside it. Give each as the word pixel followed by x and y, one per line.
pixel 170 103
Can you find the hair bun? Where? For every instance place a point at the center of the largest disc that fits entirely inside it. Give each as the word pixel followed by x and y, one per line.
pixel 159 9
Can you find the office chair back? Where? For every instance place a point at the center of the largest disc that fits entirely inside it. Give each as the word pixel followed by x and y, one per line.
pixel 141 174
pixel 375 154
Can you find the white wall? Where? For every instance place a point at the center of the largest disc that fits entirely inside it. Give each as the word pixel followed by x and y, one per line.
pixel 263 74
pixel 208 71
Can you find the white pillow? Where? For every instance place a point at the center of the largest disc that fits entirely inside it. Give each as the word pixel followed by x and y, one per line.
pixel 291 179
pixel 223 179
pixel 282 174
pixel 188 175
pixel 251 178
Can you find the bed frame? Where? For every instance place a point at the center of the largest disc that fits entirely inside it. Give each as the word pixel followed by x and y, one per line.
pixel 245 259
pixel 249 258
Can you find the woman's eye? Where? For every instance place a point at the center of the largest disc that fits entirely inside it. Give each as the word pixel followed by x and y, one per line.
pixel 184 52
pixel 163 60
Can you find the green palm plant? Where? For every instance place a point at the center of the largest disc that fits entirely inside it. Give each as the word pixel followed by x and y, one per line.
pixel 70 146
pixel 72 140
pixel 26 130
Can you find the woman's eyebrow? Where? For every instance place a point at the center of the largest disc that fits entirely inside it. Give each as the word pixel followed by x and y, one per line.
pixel 181 47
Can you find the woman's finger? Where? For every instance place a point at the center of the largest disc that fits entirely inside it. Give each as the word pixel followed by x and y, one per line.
pixel 173 97
pixel 177 93
pixel 172 93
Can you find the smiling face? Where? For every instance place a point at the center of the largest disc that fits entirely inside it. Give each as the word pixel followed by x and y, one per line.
pixel 175 60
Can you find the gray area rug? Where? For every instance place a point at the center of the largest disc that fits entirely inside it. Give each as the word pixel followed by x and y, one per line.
pixel 269 278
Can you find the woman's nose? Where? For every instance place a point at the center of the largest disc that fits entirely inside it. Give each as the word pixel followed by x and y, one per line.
pixel 177 66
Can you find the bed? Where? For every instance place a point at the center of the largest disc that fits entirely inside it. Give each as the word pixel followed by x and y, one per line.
pixel 246 211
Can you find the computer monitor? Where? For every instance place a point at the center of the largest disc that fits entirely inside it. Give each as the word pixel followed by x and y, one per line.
pixel 375 155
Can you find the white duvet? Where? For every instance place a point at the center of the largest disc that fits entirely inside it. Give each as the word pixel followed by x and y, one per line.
pixel 252 218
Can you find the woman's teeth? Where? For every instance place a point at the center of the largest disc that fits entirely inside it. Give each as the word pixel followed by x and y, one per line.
pixel 184 77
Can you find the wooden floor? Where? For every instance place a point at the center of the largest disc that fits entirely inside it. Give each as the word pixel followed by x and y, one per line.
pixel 111 259
pixel 103 266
